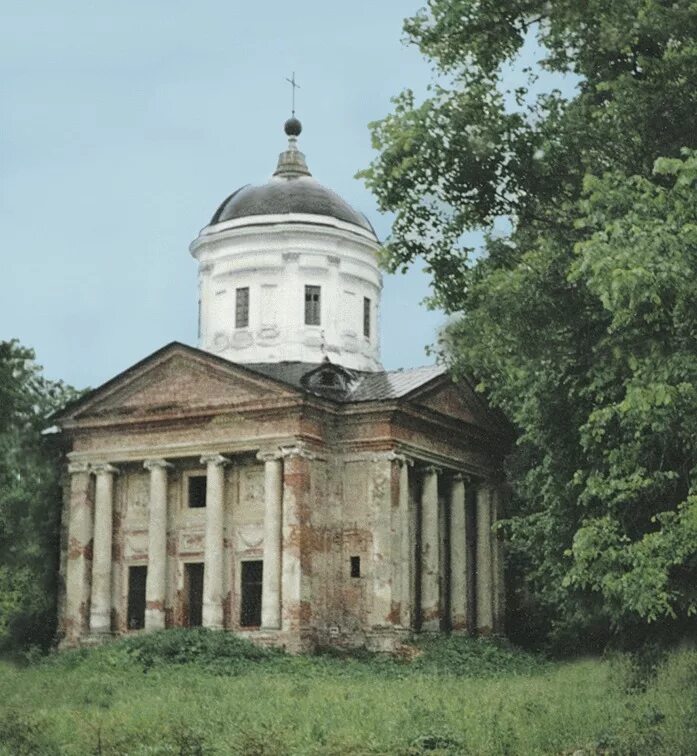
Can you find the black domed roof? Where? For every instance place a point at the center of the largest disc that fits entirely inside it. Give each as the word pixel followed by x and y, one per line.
pixel 280 196
pixel 291 189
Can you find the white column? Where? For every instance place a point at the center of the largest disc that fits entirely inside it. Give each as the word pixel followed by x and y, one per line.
pixel 430 556
pixel 273 524
pixel 213 556
pixel 378 570
pixel 155 584
pixel 297 485
pixel 484 576
pixel 458 555
pixel 100 611
pixel 406 551
pixel 79 559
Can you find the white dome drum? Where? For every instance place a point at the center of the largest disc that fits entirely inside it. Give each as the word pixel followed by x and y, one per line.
pixel 288 272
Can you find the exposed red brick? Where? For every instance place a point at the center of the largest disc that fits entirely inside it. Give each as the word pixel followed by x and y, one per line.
pixel 430 614
pixel 394 617
pixel 172 545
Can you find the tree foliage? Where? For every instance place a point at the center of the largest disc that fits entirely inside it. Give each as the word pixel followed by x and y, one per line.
pixel 29 499
pixel 580 321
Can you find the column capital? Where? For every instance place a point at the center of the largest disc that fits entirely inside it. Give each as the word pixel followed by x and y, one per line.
pixel 460 477
pixel 78 467
pixel 432 469
pixel 486 487
pixel 298 450
pixel 151 464
pixel 269 455
pixel 215 459
pixel 104 468
pixel 392 456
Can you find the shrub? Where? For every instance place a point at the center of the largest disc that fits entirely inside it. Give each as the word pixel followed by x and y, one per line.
pixel 216 651
pixel 22 734
pixel 475 657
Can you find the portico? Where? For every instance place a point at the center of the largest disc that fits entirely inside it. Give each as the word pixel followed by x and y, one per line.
pixel 418 555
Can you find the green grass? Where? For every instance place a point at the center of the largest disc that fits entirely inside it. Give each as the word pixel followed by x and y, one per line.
pixel 196 692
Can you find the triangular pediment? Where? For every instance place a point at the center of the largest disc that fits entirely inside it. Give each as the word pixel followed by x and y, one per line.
pixel 459 402
pixel 177 379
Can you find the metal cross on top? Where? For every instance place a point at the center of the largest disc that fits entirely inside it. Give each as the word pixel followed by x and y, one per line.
pixel 295 86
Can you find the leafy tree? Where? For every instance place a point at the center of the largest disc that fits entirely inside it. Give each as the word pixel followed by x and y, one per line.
pixel 579 321
pixel 30 499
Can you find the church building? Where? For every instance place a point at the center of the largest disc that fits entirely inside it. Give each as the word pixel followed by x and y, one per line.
pixel 276 481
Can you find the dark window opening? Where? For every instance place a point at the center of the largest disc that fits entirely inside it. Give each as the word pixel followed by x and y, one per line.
pixel 136 597
pixel 242 307
pixel 193 593
pixel 250 614
pixel 471 532
pixel 328 378
pixel 197 491
pixel 355 566
pixel 366 317
pixel 415 491
pixel 445 577
pixel 312 305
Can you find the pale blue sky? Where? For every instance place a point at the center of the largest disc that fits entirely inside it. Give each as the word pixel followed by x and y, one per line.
pixel 124 125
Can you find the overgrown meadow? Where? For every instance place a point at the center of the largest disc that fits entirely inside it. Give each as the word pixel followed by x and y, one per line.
pixel 198 692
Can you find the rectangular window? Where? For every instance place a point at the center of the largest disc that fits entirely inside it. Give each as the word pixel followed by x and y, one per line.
pixel 242 307
pixel 136 597
pixel 197 491
pixel 355 566
pixel 250 614
pixel 312 305
pixel 193 594
pixel 366 317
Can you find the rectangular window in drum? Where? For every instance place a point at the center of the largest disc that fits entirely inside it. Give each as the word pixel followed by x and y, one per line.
pixel 312 305
pixel 242 307
pixel 366 317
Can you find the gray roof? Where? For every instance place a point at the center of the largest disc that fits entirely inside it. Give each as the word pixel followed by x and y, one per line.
pixel 363 386
pixel 392 384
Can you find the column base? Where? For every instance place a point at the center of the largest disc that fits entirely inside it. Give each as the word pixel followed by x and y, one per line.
pixel 100 625
pixel 460 630
pixel 430 619
pixel 431 626
pixel 96 638
pixel 213 617
pixel 154 620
